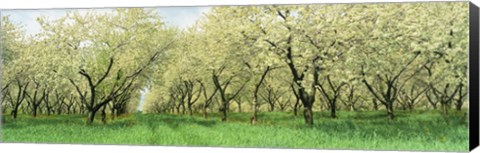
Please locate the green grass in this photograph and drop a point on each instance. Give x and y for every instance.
(425, 131)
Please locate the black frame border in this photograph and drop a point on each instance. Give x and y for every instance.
(473, 76)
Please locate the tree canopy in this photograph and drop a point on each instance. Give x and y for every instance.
(322, 57)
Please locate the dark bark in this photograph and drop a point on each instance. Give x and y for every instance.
(104, 114)
(461, 97)
(444, 97)
(408, 99)
(82, 96)
(431, 100)
(92, 87)
(388, 95)
(351, 99)
(60, 102)
(375, 104)
(308, 114)
(390, 114)
(36, 99)
(272, 97)
(183, 107)
(283, 105)
(239, 105)
(119, 104)
(286, 53)
(225, 98)
(91, 116)
(92, 105)
(208, 99)
(256, 103)
(3, 103)
(112, 110)
(295, 107)
(179, 94)
(70, 105)
(333, 110)
(121, 86)
(190, 92)
(332, 95)
(21, 94)
(297, 100)
(306, 98)
(436, 95)
(48, 106)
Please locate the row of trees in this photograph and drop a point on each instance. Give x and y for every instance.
(408, 56)
(82, 63)
(263, 58)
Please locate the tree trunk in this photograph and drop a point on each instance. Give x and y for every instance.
(190, 112)
(390, 111)
(224, 113)
(205, 114)
(255, 95)
(459, 105)
(183, 109)
(254, 117)
(445, 109)
(461, 95)
(35, 107)
(375, 105)
(59, 111)
(82, 109)
(228, 107)
(410, 107)
(282, 108)
(91, 117)
(308, 115)
(224, 97)
(112, 110)
(118, 113)
(49, 111)
(104, 114)
(49, 108)
(255, 109)
(15, 112)
(239, 107)
(333, 110)
(295, 107)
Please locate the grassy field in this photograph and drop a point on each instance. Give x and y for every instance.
(426, 131)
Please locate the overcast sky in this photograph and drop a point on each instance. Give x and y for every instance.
(176, 16)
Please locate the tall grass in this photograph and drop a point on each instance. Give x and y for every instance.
(423, 131)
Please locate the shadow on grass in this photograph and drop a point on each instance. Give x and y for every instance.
(345, 120)
(174, 121)
(23, 121)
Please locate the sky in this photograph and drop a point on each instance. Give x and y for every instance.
(175, 16)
